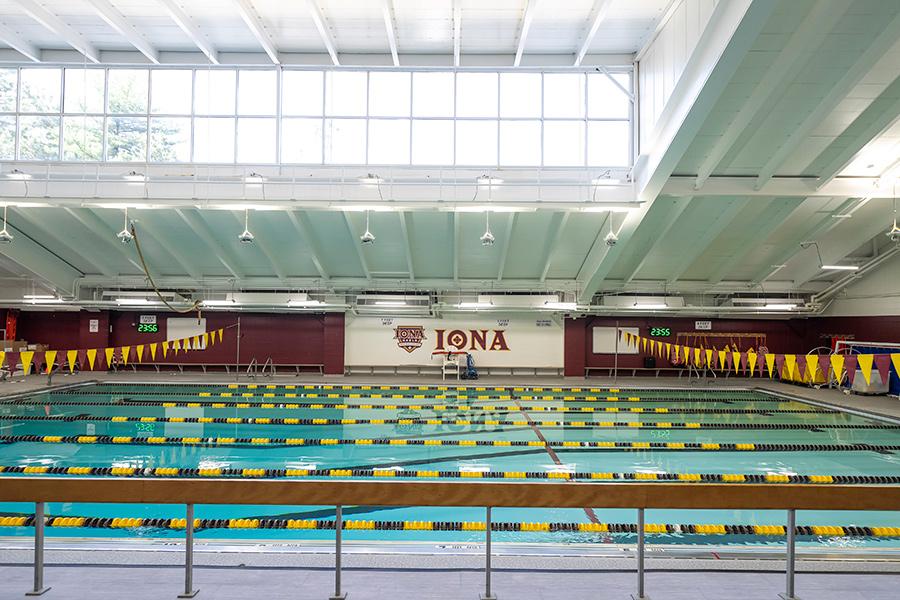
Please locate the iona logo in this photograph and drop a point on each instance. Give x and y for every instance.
(409, 337)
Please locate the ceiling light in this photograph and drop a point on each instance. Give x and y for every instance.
(296, 303)
(780, 306)
(125, 236)
(650, 306)
(219, 303)
(488, 180)
(367, 238)
(474, 305)
(390, 303)
(17, 174)
(135, 301)
(606, 181)
(370, 179)
(487, 238)
(560, 305)
(39, 296)
(894, 233)
(135, 177)
(601, 208)
(245, 237)
(840, 268)
(254, 177)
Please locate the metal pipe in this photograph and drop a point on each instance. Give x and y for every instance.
(38, 588)
(237, 359)
(189, 591)
(338, 527)
(791, 555)
(640, 556)
(488, 595)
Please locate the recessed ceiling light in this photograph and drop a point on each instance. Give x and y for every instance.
(840, 268)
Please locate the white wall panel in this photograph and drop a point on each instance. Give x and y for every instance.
(666, 57)
(529, 342)
(878, 294)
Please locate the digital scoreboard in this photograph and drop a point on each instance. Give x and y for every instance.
(660, 331)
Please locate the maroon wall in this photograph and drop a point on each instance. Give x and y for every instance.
(285, 338)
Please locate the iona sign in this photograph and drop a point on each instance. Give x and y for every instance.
(472, 339)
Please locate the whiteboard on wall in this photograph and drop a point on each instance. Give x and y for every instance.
(604, 340)
(180, 328)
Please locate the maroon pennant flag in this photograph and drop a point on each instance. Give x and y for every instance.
(12, 359)
(761, 363)
(744, 361)
(850, 367)
(825, 364)
(729, 360)
(883, 364)
(779, 365)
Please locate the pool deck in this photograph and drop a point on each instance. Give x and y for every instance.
(885, 406)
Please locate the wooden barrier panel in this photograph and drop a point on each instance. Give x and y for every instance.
(445, 493)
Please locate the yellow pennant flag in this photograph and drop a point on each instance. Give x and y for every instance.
(790, 361)
(895, 358)
(26, 358)
(736, 361)
(92, 357)
(770, 364)
(668, 350)
(837, 366)
(165, 348)
(2, 357)
(709, 359)
(50, 357)
(751, 361)
(644, 344)
(176, 345)
(687, 353)
(186, 344)
(195, 342)
(697, 360)
(71, 358)
(125, 352)
(812, 365)
(722, 354)
(206, 340)
(109, 356)
(153, 351)
(139, 350)
(865, 365)
(220, 335)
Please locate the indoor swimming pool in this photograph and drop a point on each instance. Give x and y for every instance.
(471, 433)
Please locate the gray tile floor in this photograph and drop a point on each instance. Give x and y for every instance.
(154, 583)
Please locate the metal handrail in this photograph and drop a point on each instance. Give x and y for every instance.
(252, 368)
(267, 365)
(337, 493)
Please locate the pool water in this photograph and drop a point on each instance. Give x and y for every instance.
(473, 432)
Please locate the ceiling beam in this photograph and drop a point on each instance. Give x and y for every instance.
(19, 44)
(732, 30)
(327, 38)
(887, 43)
(39, 261)
(782, 73)
(805, 187)
(59, 28)
(85, 252)
(170, 245)
(301, 221)
(599, 11)
(256, 26)
(107, 237)
(527, 18)
(407, 247)
(557, 226)
(387, 10)
(117, 21)
(879, 116)
(200, 227)
(355, 242)
(751, 237)
(185, 23)
(504, 250)
(457, 30)
(697, 246)
(262, 242)
(815, 229)
(679, 206)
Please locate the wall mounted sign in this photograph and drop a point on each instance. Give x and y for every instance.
(703, 325)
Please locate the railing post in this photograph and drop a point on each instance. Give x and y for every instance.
(38, 588)
(189, 591)
(338, 526)
(488, 594)
(640, 557)
(791, 532)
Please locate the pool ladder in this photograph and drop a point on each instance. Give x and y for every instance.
(267, 369)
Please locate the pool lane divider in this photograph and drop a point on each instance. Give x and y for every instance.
(417, 421)
(541, 443)
(443, 407)
(254, 473)
(364, 525)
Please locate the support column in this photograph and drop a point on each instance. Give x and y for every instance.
(640, 557)
(488, 593)
(38, 588)
(338, 527)
(791, 556)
